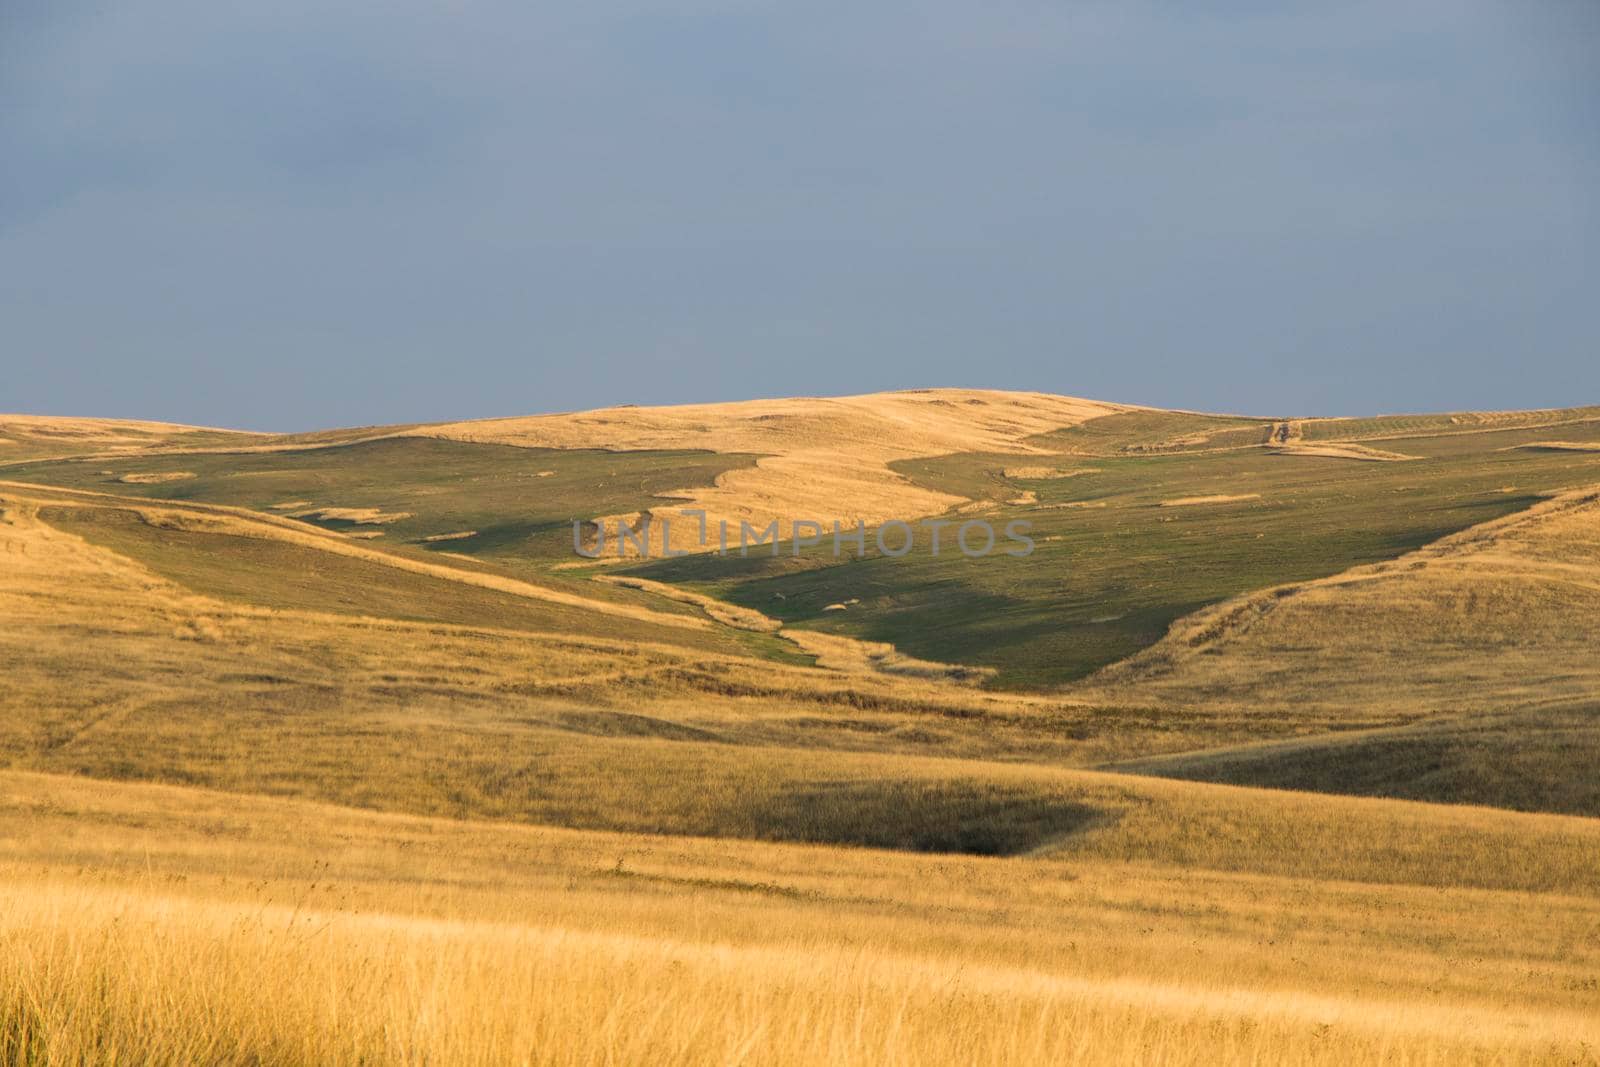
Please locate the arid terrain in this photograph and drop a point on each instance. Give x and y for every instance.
(329, 748)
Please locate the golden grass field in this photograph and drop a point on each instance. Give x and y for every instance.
(163, 925)
(824, 459)
(275, 794)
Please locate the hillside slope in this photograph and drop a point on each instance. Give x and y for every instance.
(822, 459)
(1528, 759)
(1504, 614)
(31, 437)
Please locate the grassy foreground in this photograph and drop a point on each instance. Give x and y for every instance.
(162, 925)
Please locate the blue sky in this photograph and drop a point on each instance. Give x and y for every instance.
(333, 213)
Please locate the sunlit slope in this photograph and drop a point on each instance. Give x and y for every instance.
(31, 437)
(1151, 431)
(820, 459)
(1399, 427)
(506, 506)
(823, 459)
(1505, 614)
(190, 926)
(270, 561)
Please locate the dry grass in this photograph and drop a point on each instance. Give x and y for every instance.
(103, 429)
(1046, 473)
(355, 516)
(1526, 760)
(727, 614)
(852, 656)
(1395, 427)
(925, 422)
(741, 861)
(721, 888)
(167, 926)
(823, 459)
(23, 501)
(1561, 446)
(1497, 616)
(112, 671)
(160, 478)
(1343, 451)
(1502, 614)
(293, 680)
(31, 437)
(1215, 498)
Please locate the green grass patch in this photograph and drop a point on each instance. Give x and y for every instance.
(519, 501)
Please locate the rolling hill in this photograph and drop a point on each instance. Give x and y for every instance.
(349, 705)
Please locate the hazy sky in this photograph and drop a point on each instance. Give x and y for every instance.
(330, 212)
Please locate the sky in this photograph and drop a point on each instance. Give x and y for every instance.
(317, 213)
